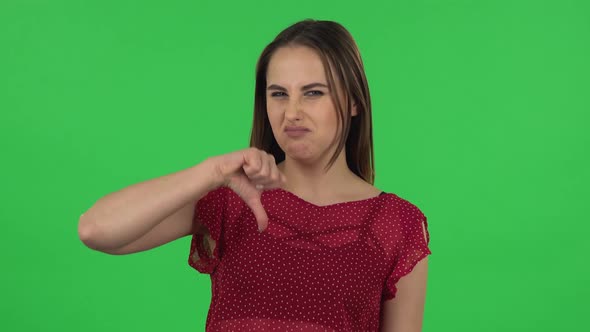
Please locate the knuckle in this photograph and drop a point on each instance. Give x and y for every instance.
(251, 152)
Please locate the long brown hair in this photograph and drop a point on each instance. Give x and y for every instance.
(343, 64)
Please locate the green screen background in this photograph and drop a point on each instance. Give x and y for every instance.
(480, 119)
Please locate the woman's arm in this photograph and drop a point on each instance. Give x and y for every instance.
(147, 214)
(405, 312)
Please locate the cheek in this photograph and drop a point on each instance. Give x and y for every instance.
(273, 118)
(330, 122)
(273, 110)
(327, 114)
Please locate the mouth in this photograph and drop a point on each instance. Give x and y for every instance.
(296, 131)
(296, 128)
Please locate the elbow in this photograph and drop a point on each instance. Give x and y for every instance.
(86, 232)
(89, 234)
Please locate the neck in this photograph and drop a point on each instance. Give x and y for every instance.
(313, 180)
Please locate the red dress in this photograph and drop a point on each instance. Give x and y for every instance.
(315, 268)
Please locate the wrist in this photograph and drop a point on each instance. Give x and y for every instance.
(215, 177)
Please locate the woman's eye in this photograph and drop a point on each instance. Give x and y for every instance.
(315, 93)
(312, 93)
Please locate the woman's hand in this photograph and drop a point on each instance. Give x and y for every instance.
(248, 172)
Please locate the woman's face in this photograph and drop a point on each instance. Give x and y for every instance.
(298, 95)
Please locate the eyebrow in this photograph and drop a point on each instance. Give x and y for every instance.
(305, 87)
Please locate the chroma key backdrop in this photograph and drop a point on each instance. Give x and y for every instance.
(480, 118)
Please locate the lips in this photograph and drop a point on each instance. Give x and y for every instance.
(295, 129)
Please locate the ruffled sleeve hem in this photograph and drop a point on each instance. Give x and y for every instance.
(415, 249)
(201, 258)
(210, 211)
(391, 290)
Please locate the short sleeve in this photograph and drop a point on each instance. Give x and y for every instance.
(210, 212)
(413, 249)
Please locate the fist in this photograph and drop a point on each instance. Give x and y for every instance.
(248, 172)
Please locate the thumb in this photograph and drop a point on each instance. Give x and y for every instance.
(256, 206)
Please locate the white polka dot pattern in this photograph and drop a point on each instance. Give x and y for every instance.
(315, 268)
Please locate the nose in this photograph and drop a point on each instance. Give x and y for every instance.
(293, 110)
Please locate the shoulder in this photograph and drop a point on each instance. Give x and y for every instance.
(398, 220)
(392, 204)
(399, 213)
(402, 206)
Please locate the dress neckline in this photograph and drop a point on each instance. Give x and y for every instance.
(354, 202)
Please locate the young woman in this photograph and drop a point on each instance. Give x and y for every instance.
(291, 230)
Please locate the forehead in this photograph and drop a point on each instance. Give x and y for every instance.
(295, 66)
